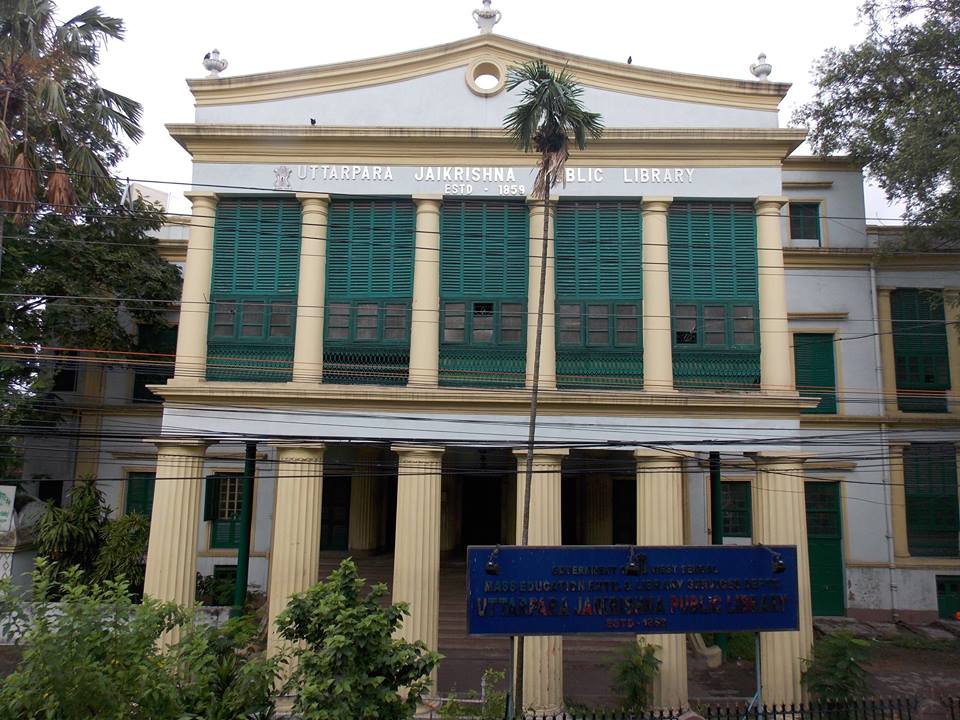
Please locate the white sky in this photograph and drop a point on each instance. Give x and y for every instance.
(166, 41)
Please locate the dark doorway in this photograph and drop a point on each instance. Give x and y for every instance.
(624, 510)
(335, 513)
(481, 509)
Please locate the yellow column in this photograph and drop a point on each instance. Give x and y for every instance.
(548, 345)
(416, 563)
(425, 315)
(172, 553)
(308, 342)
(596, 497)
(660, 522)
(776, 374)
(195, 298)
(542, 655)
(657, 333)
(295, 550)
(898, 501)
(779, 518)
(951, 309)
(364, 501)
(887, 363)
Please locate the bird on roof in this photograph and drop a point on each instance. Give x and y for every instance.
(313, 121)
(207, 56)
(630, 60)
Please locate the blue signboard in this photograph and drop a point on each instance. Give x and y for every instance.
(513, 590)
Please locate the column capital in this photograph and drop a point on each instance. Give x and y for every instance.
(654, 454)
(770, 203)
(427, 198)
(535, 202)
(549, 453)
(191, 446)
(309, 451)
(201, 196)
(313, 198)
(885, 290)
(659, 203)
(431, 452)
(776, 457)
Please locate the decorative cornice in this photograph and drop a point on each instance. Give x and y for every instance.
(618, 77)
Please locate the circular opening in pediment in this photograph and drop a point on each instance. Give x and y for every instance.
(486, 77)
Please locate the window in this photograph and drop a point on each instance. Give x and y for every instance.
(223, 504)
(814, 368)
(599, 325)
(367, 323)
(65, 373)
(161, 342)
(685, 324)
(714, 325)
(920, 350)
(140, 487)
(805, 221)
(224, 319)
(736, 508)
(931, 503)
(482, 323)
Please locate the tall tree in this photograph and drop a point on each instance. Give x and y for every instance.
(549, 113)
(66, 240)
(893, 103)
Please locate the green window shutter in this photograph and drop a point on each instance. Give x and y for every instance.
(735, 503)
(805, 221)
(483, 250)
(140, 492)
(370, 249)
(932, 506)
(211, 496)
(256, 245)
(598, 250)
(920, 349)
(815, 373)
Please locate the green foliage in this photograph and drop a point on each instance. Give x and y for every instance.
(490, 705)
(92, 654)
(220, 675)
(349, 664)
(71, 536)
(122, 551)
(893, 103)
(836, 671)
(89, 651)
(215, 591)
(634, 673)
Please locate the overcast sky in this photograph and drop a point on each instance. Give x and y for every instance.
(166, 41)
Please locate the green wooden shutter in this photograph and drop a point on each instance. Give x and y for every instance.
(932, 510)
(483, 250)
(815, 373)
(805, 221)
(825, 547)
(211, 497)
(736, 505)
(140, 492)
(920, 349)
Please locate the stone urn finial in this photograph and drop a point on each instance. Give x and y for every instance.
(486, 17)
(214, 63)
(761, 69)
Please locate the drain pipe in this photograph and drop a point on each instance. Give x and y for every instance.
(886, 477)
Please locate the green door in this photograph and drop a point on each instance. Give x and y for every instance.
(948, 596)
(825, 543)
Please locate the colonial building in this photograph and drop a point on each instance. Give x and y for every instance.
(360, 298)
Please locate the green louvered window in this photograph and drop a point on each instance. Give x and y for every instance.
(222, 505)
(483, 293)
(599, 280)
(714, 294)
(370, 253)
(815, 373)
(932, 505)
(805, 221)
(140, 493)
(736, 506)
(256, 260)
(920, 350)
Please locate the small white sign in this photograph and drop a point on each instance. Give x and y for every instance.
(7, 495)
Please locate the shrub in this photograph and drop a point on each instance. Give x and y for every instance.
(634, 674)
(348, 663)
(836, 669)
(72, 535)
(121, 554)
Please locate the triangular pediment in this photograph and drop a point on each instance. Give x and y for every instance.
(499, 51)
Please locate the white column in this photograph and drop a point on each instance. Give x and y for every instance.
(171, 573)
(548, 344)
(780, 518)
(776, 374)
(295, 550)
(542, 655)
(191, 362)
(308, 343)
(425, 314)
(660, 522)
(657, 332)
(416, 562)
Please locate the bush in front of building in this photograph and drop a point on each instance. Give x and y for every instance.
(90, 651)
(634, 673)
(348, 662)
(836, 669)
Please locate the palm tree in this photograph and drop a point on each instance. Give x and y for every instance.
(58, 128)
(549, 113)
